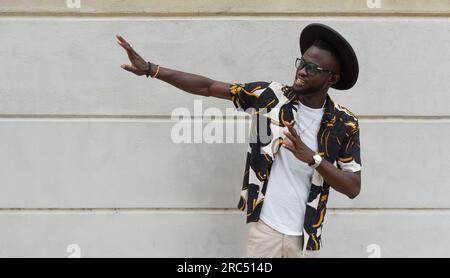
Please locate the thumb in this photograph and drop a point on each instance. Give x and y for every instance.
(128, 68)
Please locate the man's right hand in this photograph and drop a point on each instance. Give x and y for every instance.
(138, 65)
(188, 82)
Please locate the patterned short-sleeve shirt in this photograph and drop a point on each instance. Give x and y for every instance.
(271, 104)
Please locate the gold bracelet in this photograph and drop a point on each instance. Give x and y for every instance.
(157, 71)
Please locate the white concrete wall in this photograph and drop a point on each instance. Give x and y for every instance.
(87, 155)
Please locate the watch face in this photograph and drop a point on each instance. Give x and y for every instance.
(317, 159)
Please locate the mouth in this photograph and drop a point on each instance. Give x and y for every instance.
(298, 82)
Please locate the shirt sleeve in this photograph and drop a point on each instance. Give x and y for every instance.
(349, 158)
(245, 96)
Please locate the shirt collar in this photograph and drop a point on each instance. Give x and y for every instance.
(330, 109)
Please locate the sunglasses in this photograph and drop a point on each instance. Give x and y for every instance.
(311, 68)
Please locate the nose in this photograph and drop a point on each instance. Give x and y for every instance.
(302, 72)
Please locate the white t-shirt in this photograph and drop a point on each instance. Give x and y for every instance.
(290, 179)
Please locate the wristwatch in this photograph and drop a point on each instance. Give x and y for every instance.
(317, 160)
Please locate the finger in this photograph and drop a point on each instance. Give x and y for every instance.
(291, 129)
(294, 133)
(291, 137)
(121, 39)
(289, 124)
(288, 145)
(132, 54)
(126, 45)
(128, 68)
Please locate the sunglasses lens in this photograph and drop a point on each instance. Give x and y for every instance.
(311, 69)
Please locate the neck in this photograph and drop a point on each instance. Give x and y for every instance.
(313, 101)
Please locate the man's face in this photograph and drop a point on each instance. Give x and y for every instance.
(308, 84)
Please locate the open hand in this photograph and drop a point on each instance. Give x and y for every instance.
(138, 65)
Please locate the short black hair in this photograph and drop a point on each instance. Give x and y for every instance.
(325, 46)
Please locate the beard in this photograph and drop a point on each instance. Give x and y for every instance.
(307, 90)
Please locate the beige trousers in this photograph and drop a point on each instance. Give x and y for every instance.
(265, 242)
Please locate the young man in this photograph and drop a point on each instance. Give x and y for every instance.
(319, 139)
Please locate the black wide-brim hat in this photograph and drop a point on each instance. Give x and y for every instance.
(347, 56)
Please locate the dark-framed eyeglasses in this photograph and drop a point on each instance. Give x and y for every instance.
(311, 68)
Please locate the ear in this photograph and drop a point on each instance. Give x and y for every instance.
(334, 78)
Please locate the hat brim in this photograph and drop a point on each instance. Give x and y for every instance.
(347, 57)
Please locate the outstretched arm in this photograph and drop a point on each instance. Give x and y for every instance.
(188, 82)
